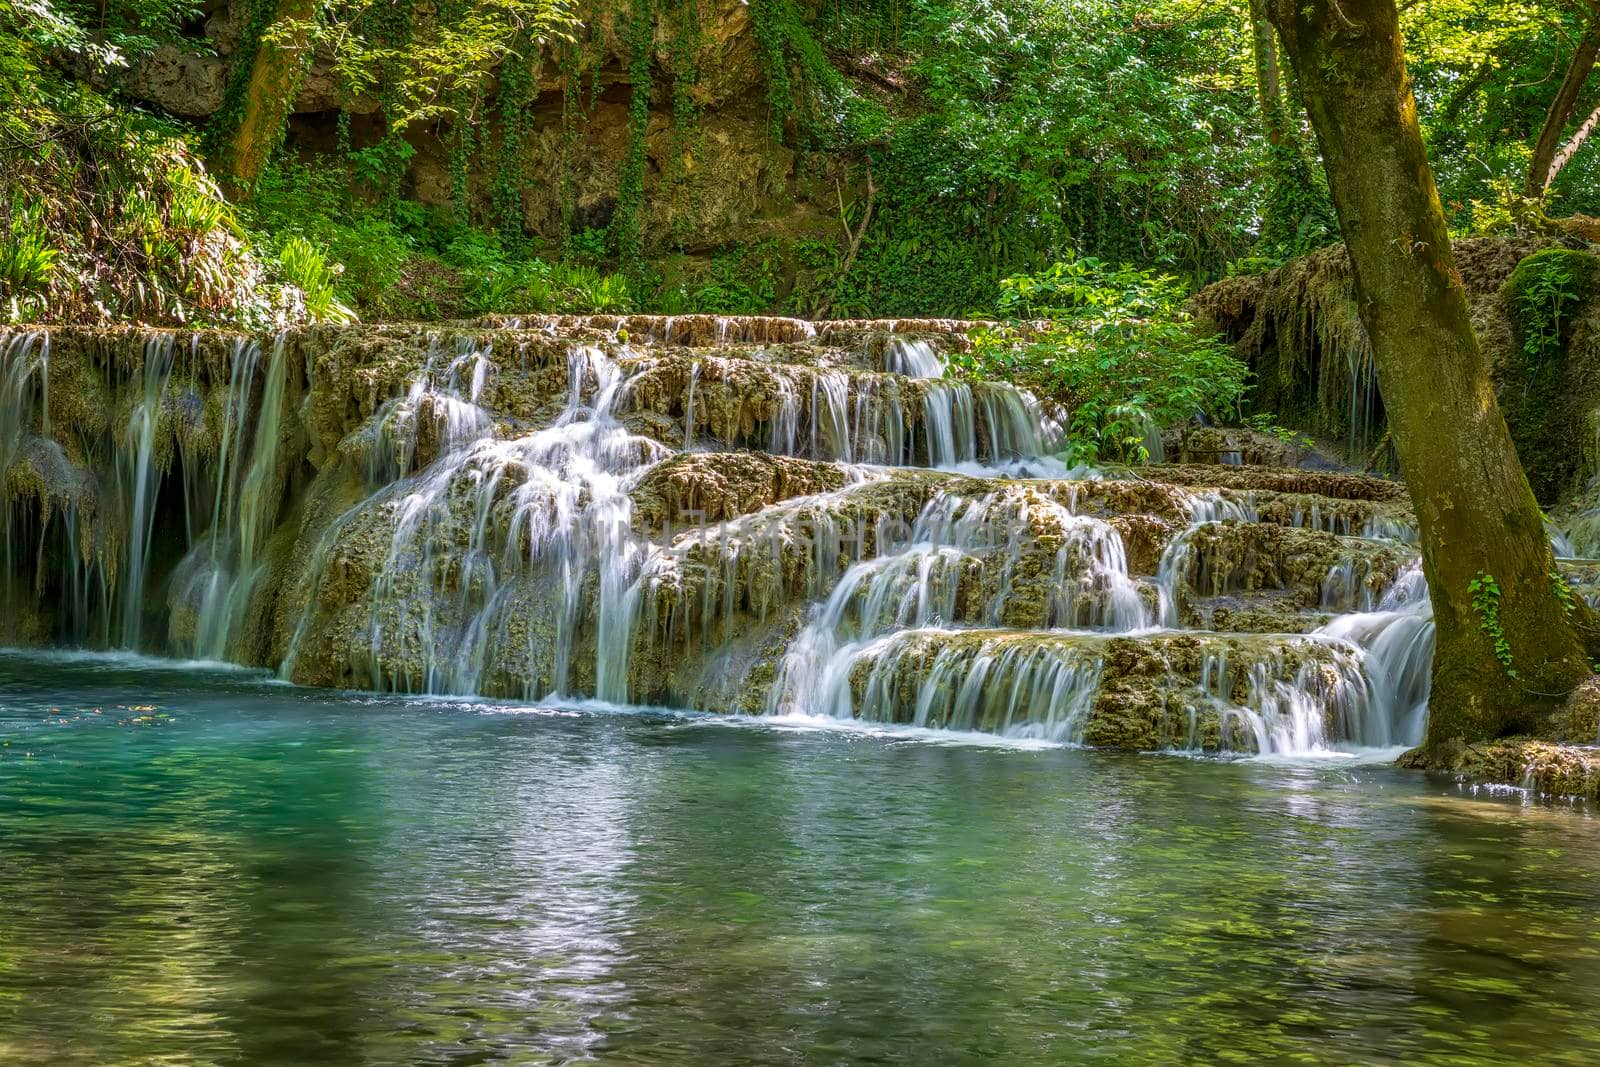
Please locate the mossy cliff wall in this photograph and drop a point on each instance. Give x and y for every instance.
(558, 145)
(1299, 329)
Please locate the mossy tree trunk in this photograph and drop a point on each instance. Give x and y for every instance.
(1542, 169)
(276, 71)
(1269, 82)
(1476, 512)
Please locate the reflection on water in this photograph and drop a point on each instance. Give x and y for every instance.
(201, 865)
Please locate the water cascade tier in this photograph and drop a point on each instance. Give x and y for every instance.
(738, 515)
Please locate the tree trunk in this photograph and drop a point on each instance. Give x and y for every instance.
(1570, 149)
(1540, 170)
(1477, 515)
(1269, 84)
(275, 72)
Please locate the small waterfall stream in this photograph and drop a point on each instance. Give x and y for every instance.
(749, 515)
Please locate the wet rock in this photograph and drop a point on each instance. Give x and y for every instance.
(716, 486)
(1541, 767)
(1233, 446)
(1322, 483)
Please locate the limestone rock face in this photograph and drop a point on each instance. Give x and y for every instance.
(699, 194)
(723, 177)
(734, 515)
(186, 83)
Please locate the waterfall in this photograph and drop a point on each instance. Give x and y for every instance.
(917, 583)
(140, 477)
(489, 509)
(24, 387)
(688, 413)
(1039, 691)
(246, 501)
(913, 357)
(1396, 642)
(486, 525)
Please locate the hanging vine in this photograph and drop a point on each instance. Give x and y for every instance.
(627, 222)
(683, 52)
(518, 88)
(572, 112)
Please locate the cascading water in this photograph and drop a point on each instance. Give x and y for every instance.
(246, 500)
(139, 477)
(501, 510)
(1396, 643)
(486, 525)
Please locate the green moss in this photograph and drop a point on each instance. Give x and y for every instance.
(1544, 380)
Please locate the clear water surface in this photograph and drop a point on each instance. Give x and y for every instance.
(200, 865)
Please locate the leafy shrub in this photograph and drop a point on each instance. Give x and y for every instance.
(498, 280)
(374, 251)
(1115, 346)
(27, 259)
(1545, 290)
(743, 281)
(306, 268)
(105, 211)
(585, 289)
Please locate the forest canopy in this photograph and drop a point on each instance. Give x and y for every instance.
(902, 157)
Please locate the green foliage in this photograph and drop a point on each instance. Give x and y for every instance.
(588, 245)
(1297, 214)
(1266, 422)
(316, 203)
(397, 259)
(27, 261)
(1564, 593)
(306, 268)
(1117, 128)
(1545, 289)
(496, 280)
(1484, 72)
(106, 211)
(627, 222)
(804, 88)
(993, 133)
(427, 69)
(1544, 296)
(1115, 346)
(223, 124)
(743, 281)
(1485, 592)
(1504, 211)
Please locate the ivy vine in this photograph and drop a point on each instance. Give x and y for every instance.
(627, 222)
(1485, 592)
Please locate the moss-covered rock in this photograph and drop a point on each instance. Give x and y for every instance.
(1546, 368)
(1542, 767)
(717, 486)
(1299, 329)
(1232, 445)
(1335, 484)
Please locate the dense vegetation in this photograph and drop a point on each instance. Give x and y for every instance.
(1086, 160)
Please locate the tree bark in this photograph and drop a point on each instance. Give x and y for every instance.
(1579, 137)
(1541, 171)
(1269, 83)
(1476, 513)
(276, 70)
